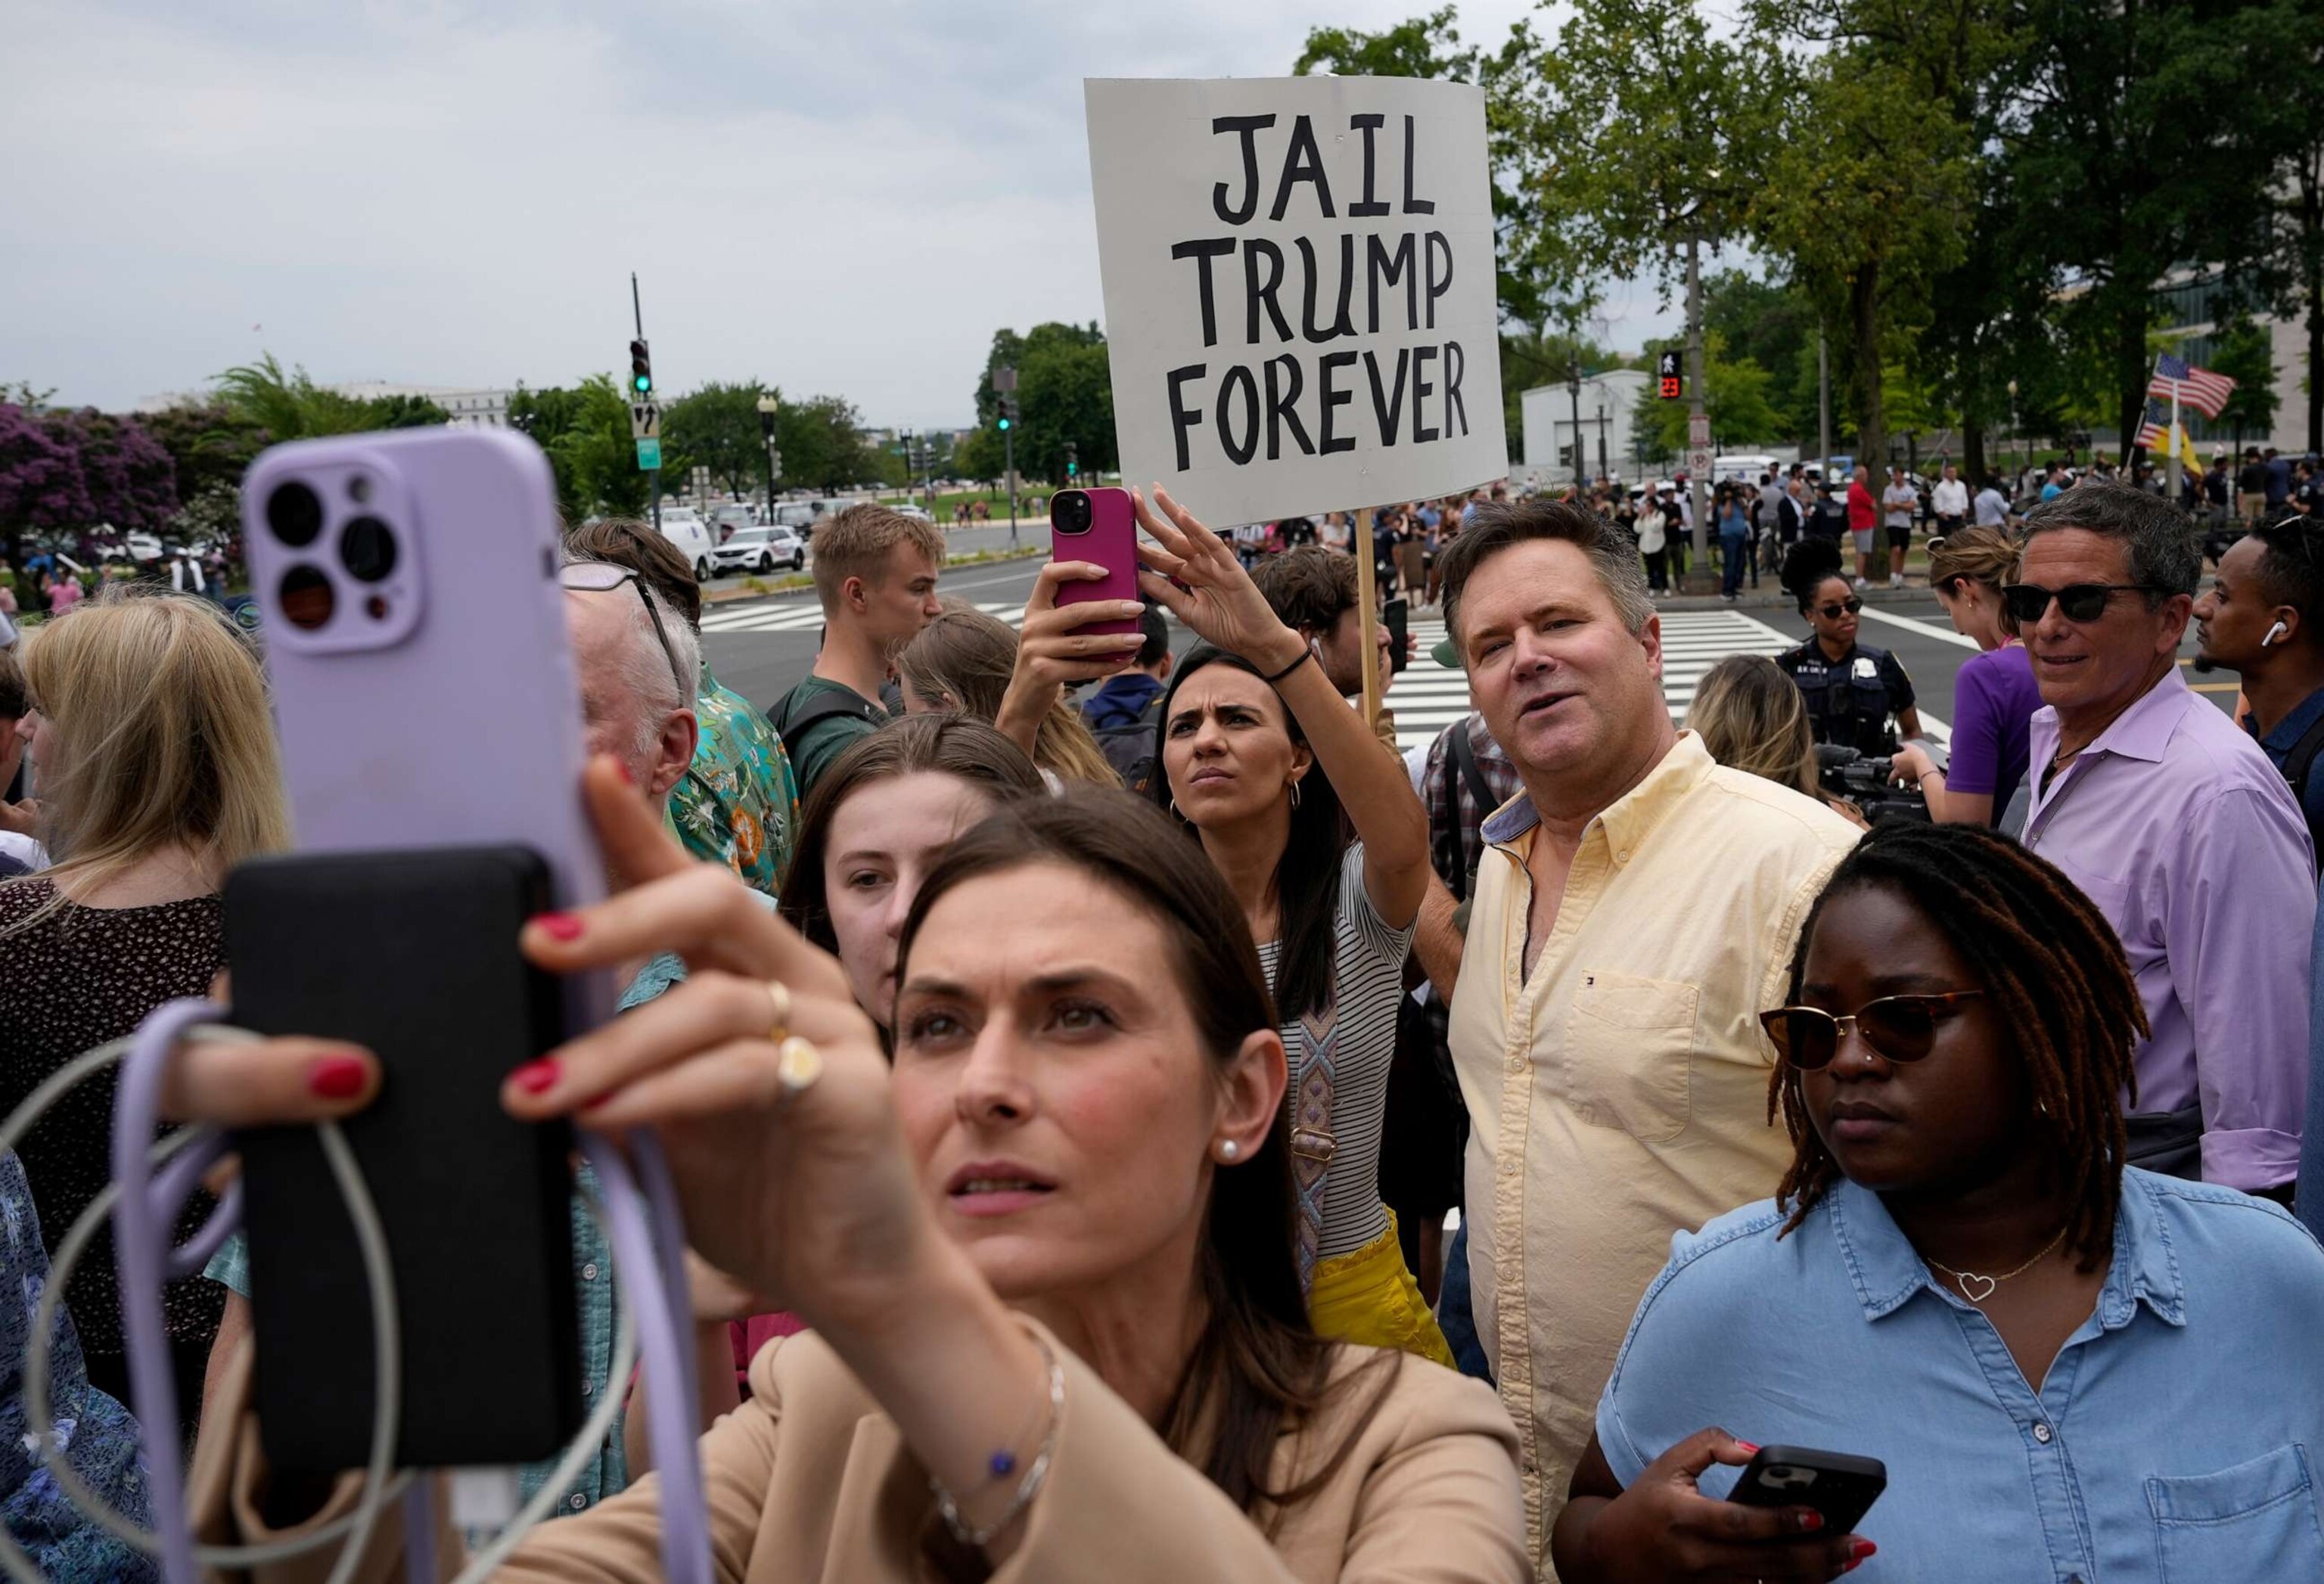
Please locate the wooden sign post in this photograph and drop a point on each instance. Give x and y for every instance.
(1367, 602)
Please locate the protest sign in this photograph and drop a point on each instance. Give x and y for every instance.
(1299, 296)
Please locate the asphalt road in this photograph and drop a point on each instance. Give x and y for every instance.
(761, 647)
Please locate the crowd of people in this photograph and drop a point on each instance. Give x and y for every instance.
(1165, 1016)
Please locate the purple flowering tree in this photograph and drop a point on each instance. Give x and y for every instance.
(65, 472)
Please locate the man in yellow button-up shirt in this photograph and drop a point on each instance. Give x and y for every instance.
(1637, 912)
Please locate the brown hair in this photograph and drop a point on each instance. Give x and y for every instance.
(856, 542)
(963, 659)
(1752, 719)
(1497, 526)
(2060, 988)
(165, 738)
(627, 542)
(1309, 588)
(945, 745)
(1982, 554)
(1257, 1363)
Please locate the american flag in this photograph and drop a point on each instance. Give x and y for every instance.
(2199, 389)
(2154, 434)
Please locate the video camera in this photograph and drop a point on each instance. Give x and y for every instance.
(1845, 772)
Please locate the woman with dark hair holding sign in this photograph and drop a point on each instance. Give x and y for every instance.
(1266, 764)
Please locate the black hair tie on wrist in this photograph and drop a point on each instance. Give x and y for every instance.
(1305, 655)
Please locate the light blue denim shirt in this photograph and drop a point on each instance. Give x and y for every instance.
(2177, 1438)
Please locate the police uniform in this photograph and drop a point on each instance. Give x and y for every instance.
(1851, 699)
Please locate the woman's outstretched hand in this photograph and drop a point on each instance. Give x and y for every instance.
(1193, 574)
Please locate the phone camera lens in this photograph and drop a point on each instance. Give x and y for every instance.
(306, 598)
(295, 513)
(368, 548)
(359, 488)
(1070, 512)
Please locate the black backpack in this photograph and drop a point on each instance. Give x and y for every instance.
(1130, 748)
(2296, 767)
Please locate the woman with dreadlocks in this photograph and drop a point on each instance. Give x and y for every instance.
(2071, 1369)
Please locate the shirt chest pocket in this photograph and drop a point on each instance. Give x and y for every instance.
(1629, 1054)
(2256, 1520)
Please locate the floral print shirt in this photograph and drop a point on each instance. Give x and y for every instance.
(738, 804)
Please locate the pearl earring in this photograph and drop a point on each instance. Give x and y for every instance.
(1230, 1151)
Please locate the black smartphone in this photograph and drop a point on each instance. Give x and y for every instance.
(1839, 1486)
(1397, 615)
(411, 953)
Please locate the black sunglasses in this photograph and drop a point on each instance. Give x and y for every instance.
(1851, 606)
(2028, 603)
(1900, 1028)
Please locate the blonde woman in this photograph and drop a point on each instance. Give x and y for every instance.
(1994, 695)
(963, 659)
(1750, 718)
(149, 735)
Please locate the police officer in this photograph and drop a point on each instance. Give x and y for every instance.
(1851, 690)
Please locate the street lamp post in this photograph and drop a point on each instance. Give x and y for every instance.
(2016, 434)
(1581, 458)
(767, 408)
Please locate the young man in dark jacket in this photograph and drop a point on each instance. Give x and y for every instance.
(1126, 697)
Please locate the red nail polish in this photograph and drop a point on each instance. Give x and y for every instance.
(336, 1077)
(1811, 1520)
(1860, 1551)
(559, 926)
(536, 1077)
(596, 1102)
(1747, 1447)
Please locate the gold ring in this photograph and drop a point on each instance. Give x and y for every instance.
(780, 994)
(797, 1065)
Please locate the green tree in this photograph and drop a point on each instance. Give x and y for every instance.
(2244, 351)
(404, 412)
(595, 458)
(2124, 131)
(1735, 395)
(1064, 393)
(290, 406)
(210, 444)
(823, 444)
(717, 427)
(1639, 129)
(1771, 322)
(1530, 359)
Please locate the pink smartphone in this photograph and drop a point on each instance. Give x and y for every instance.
(414, 630)
(1101, 526)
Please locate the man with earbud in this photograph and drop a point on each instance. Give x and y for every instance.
(2263, 619)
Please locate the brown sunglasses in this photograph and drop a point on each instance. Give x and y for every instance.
(1899, 1028)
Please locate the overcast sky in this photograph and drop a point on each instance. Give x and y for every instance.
(847, 197)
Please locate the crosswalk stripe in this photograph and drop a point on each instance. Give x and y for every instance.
(797, 615)
(1428, 697)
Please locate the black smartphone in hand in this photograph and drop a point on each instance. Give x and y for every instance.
(1841, 1488)
(1398, 616)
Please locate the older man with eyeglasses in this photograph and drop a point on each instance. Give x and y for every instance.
(2170, 818)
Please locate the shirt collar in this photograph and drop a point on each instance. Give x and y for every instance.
(1886, 1270)
(1630, 818)
(2293, 726)
(2143, 731)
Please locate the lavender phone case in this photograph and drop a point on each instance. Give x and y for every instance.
(437, 706)
(1111, 541)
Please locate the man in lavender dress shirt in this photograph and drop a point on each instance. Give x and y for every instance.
(2175, 822)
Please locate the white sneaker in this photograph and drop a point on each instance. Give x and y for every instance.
(1896, 580)
(1859, 586)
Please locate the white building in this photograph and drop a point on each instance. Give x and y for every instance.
(1608, 402)
(471, 407)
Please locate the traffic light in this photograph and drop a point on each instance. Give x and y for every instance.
(1668, 385)
(1007, 413)
(641, 369)
(1073, 460)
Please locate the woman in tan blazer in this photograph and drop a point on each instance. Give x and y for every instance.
(1075, 1177)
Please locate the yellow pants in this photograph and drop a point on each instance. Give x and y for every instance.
(1369, 1298)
